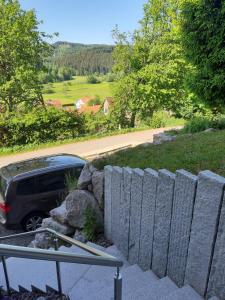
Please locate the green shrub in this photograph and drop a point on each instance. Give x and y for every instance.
(201, 124)
(91, 226)
(95, 101)
(156, 121)
(92, 79)
(99, 123)
(197, 124)
(40, 126)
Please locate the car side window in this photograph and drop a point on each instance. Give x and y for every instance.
(26, 187)
(50, 182)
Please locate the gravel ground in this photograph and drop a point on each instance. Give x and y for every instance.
(14, 241)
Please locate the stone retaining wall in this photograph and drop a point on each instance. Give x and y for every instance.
(171, 223)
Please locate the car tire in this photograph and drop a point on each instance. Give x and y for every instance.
(33, 221)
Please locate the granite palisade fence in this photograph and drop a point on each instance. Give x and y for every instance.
(171, 223)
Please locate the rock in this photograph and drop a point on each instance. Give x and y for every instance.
(61, 228)
(76, 204)
(160, 138)
(79, 236)
(59, 213)
(85, 177)
(43, 241)
(98, 186)
(210, 130)
(90, 188)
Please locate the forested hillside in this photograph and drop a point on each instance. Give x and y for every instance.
(82, 59)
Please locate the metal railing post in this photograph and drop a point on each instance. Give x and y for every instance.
(6, 275)
(58, 272)
(118, 285)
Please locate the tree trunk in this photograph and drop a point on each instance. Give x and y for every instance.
(10, 104)
(132, 119)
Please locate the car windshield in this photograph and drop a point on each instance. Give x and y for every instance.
(3, 185)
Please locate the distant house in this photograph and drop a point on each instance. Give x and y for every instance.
(55, 103)
(82, 102)
(90, 109)
(108, 102)
(82, 106)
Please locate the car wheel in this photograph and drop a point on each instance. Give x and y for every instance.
(33, 221)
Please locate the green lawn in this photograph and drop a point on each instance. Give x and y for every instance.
(70, 91)
(201, 151)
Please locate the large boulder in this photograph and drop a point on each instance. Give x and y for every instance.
(59, 213)
(85, 177)
(61, 228)
(77, 203)
(98, 186)
(42, 240)
(162, 137)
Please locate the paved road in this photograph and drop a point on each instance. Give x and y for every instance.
(90, 148)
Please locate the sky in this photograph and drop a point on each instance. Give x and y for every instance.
(86, 21)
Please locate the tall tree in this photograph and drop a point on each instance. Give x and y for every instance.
(22, 51)
(151, 64)
(203, 30)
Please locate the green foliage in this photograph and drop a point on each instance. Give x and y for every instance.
(55, 74)
(38, 126)
(71, 181)
(203, 35)
(156, 121)
(92, 79)
(110, 77)
(151, 65)
(22, 52)
(95, 101)
(91, 226)
(99, 123)
(82, 59)
(200, 124)
(197, 125)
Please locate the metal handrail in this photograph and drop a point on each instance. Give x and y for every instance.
(99, 257)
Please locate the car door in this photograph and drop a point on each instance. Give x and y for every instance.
(50, 189)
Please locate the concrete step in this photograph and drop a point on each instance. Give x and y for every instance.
(184, 293)
(157, 290)
(130, 284)
(96, 246)
(113, 250)
(98, 280)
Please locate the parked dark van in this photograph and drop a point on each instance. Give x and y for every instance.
(30, 189)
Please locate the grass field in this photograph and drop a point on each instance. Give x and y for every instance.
(200, 151)
(70, 91)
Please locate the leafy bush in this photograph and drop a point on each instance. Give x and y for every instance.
(99, 123)
(156, 121)
(95, 101)
(40, 126)
(92, 79)
(197, 124)
(110, 77)
(91, 226)
(200, 124)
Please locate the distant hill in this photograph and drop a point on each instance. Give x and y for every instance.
(83, 59)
